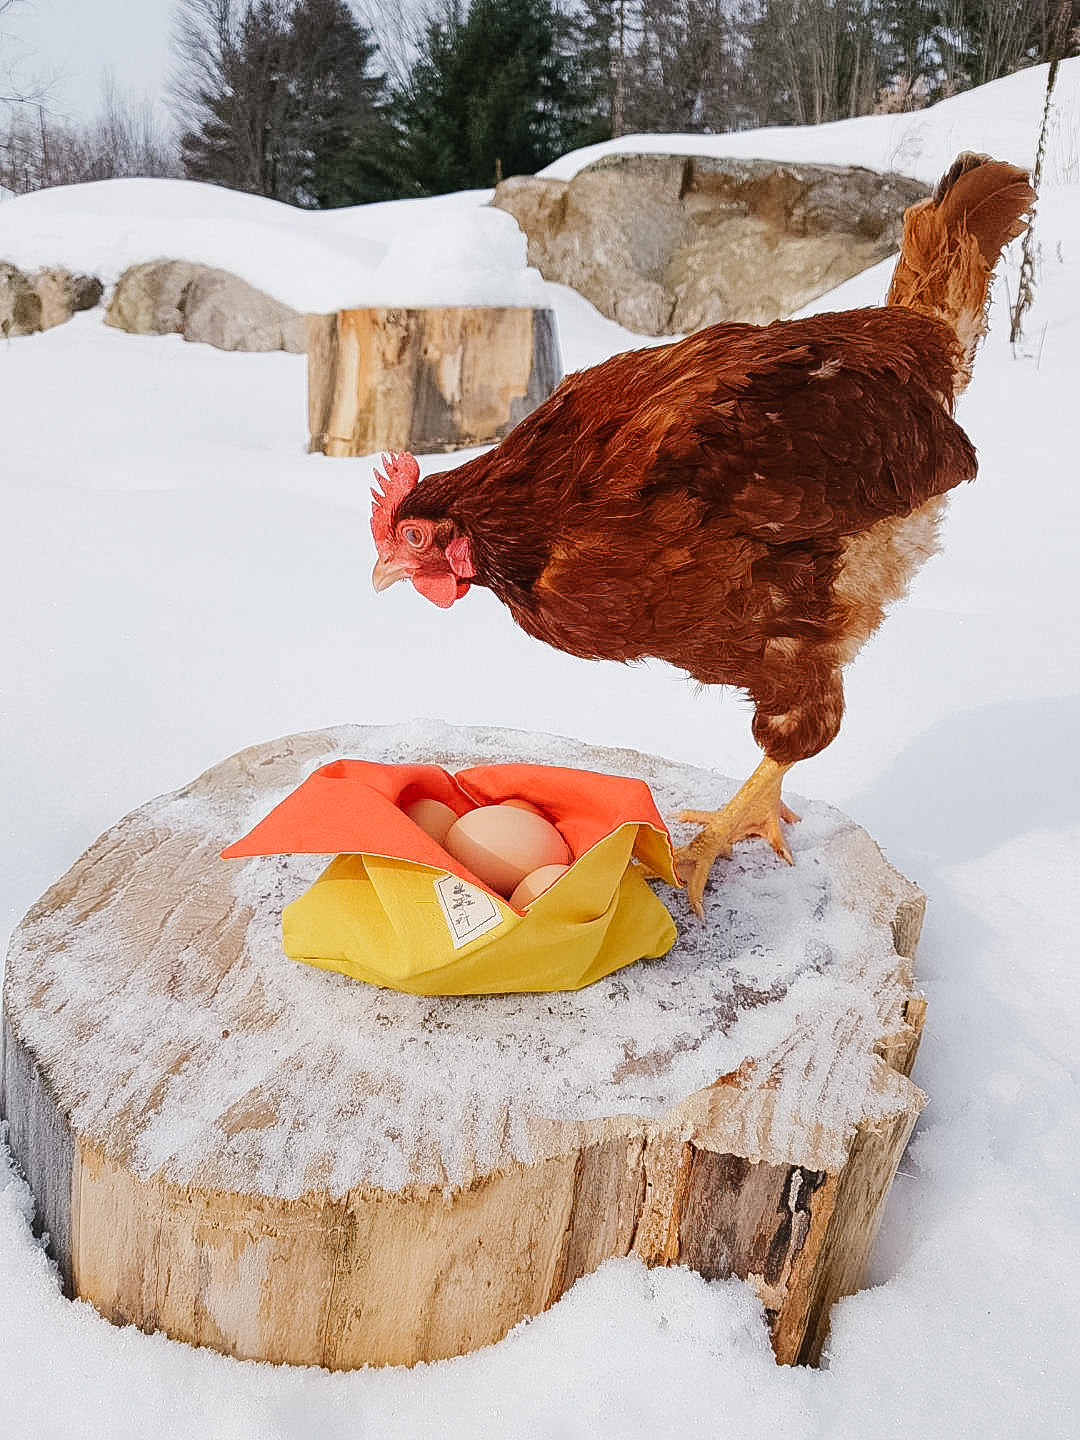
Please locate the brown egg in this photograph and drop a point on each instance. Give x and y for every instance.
(501, 844)
(520, 804)
(535, 883)
(433, 817)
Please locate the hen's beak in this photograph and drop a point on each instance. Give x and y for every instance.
(386, 573)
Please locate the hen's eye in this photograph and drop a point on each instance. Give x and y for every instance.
(412, 536)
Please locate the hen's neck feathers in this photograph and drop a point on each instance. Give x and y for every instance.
(495, 502)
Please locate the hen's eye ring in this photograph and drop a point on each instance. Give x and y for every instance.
(413, 536)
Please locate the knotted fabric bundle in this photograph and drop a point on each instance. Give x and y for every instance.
(396, 909)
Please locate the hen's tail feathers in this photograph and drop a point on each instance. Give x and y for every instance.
(952, 242)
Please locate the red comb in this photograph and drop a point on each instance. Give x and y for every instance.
(402, 474)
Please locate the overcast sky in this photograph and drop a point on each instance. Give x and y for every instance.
(72, 45)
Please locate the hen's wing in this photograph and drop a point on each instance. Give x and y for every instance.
(794, 430)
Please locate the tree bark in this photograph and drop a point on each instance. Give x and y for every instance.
(426, 380)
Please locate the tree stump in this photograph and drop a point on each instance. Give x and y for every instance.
(426, 380)
(284, 1164)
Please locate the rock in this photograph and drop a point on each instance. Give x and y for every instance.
(86, 292)
(63, 294)
(20, 306)
(214, 307)
(149, 298)
(29, 303)
(665, 244)
(222, 310)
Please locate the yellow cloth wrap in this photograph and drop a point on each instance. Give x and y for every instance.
(379, 919)
(395, 909)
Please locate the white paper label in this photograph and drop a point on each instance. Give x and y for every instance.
(468, 911)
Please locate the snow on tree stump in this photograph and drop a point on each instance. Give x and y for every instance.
(284, 1164)
(426, 380)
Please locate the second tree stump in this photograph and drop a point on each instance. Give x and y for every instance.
(426, 380)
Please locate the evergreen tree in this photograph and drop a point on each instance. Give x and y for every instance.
(602, 43)
(496, 91)
(279, 101)
(339, 104)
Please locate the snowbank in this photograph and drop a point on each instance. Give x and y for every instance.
(1000, 119)
(455, 250)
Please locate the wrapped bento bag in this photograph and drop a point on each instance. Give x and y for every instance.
(396, 909)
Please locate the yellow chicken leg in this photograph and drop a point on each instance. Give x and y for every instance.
(755, 809)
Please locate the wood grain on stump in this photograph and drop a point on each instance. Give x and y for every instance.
(426, 380)
(284, 1164)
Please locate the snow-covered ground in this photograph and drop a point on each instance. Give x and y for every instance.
(180, 579)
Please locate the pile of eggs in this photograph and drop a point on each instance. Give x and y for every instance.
(510, 847)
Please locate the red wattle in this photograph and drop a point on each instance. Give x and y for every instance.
(441, 590)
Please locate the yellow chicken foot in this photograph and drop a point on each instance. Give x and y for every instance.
(755, 809)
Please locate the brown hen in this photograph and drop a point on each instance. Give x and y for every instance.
(743, 503)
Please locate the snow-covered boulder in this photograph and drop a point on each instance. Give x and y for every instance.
(202, 303)
(664, 244)
(29, 303)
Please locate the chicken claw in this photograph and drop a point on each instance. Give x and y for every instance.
(754, 810)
